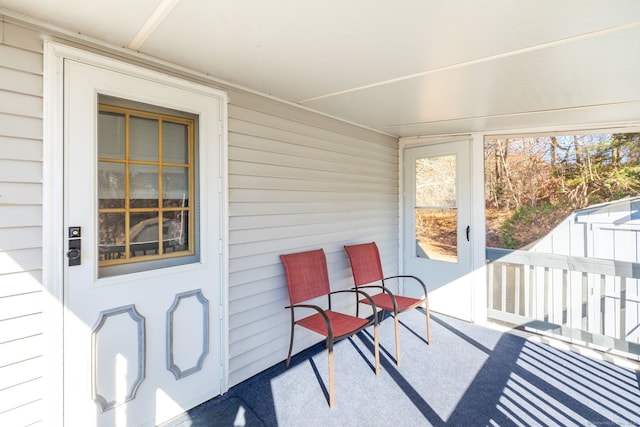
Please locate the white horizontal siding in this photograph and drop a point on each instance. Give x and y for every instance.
(278, 208)
(21, 305)
(22, 37)
(19, 126)
(20, 215)
(19, 350)
(20, 283)
(20, 327)
(20, 149)
(20, 373)
(17, 261)
(15, 58)
(267, 127)
(20, 193)
(21, 82)
(11, 398)
(21, 296)
(297, 181)
(20, 104)
(20, 238)
(20, 171)
(29, 414)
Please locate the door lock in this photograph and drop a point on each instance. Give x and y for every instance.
(74, 232)
(74, 253)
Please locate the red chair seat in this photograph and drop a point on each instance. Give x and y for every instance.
(384, 302)
(341, 324)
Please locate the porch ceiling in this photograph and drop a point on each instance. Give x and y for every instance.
(404, 67)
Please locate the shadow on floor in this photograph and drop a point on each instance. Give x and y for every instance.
(469, 376)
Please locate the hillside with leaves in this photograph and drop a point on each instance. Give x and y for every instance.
(533, 183)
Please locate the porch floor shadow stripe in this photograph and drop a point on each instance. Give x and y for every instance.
(470, 375)
(225, 411)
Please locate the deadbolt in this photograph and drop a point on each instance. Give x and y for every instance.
(74, 232)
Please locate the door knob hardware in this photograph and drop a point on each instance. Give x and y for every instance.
(74, 253)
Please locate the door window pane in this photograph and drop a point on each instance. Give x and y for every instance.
(111, 236)
(111, 135)
(175, 147)
(111, 188)
(143, 142)
(436, 213)
(144, 234)
(175, 187)
(175, 230)
(143, 186)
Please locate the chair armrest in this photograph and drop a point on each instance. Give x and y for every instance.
(366, 295)
(316, 308)
(424, 287)
(384, 290)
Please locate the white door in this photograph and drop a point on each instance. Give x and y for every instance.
(437, 224)
(143, 275)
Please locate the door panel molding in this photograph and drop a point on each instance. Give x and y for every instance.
(105, 403)
(173, 332)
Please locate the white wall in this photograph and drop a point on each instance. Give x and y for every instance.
(297, 180)
(21, 296)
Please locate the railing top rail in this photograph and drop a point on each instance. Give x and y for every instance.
(566, 262)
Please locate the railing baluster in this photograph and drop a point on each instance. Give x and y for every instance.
(584, 302)
(503, 295)
(564, 299)
(526, 281)
(516, 308)
(547, 294)
(601, 296)
(490, 283)
(623, 308)
(531, 292)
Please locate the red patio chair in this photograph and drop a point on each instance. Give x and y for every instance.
(367, 270)
(308, 278)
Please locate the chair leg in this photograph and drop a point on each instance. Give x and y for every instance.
(395, 325)
(426, 310)
(376, 347)
(332, 402)
(290, 346)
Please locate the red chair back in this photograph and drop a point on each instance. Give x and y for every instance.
(307, 275)
(365, 263)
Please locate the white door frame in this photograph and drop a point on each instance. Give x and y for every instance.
(53, 210)
(478, 276)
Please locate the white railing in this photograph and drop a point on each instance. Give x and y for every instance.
(594, 302)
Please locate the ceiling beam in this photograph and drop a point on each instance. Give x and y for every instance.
(156, 18)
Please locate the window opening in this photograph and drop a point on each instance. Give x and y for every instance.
(146, 187)
(436, 209)
(563, 226)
